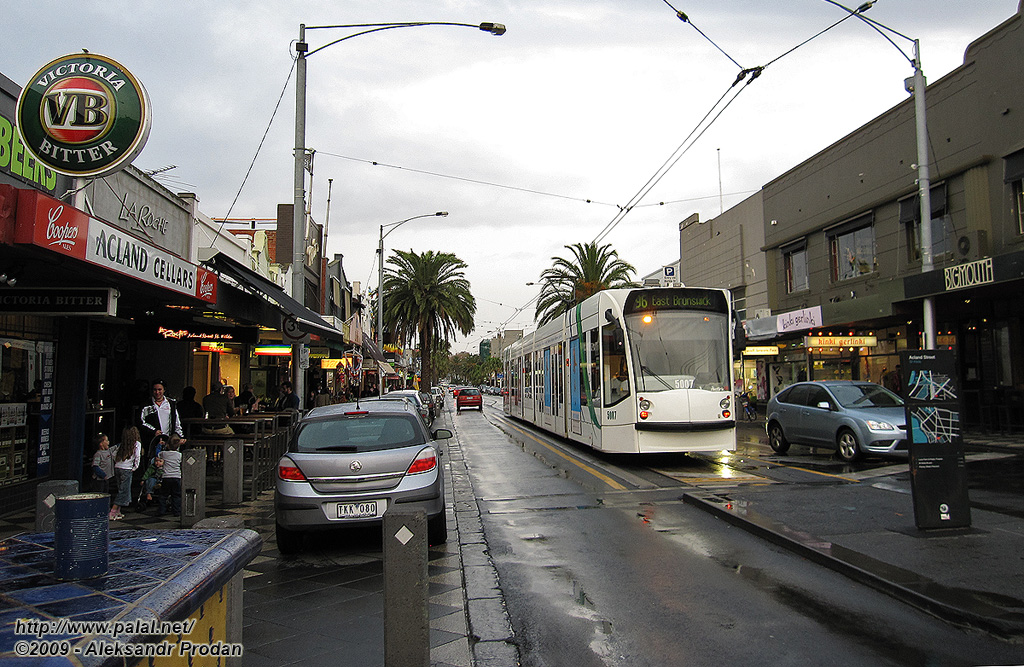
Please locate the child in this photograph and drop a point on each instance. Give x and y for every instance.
(170, 486)
(129, 452)
(102, 464)
(154, 472)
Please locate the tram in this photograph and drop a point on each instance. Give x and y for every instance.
(646, 370)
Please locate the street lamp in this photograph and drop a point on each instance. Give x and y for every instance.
(380, 282)
(299, 179)
(916, 86)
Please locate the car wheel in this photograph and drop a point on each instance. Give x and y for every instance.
(288, 541)
(777, 439)
(437, 529)
(847, 446)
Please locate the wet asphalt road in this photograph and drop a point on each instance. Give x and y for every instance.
(621, 572)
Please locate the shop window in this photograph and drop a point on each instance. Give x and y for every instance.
(796, 270)
(852, 249)
(942, 232)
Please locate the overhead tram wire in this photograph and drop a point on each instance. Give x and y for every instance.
(464, 179)
(688, 143)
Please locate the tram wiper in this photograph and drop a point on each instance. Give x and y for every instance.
(656, 376)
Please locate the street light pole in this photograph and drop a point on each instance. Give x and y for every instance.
(916, 86)
(380, 285)
(299, 178)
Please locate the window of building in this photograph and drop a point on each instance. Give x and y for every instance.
(910, 218)
(1013, 176)
(796, 269)
(739, 302)
(852, 249)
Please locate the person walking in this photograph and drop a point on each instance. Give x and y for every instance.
(161, 415)
(126, 462)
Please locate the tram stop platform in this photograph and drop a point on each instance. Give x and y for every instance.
(866, 530)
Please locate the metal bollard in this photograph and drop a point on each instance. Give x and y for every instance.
(193, 486)
(81, 536)
(406, 615)
(46, 498)
(233, 458)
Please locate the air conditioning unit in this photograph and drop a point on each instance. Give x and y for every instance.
(971, 245)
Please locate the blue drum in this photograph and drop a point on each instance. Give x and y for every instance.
(81, 536)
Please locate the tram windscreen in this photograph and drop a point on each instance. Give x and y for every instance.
(679, 348)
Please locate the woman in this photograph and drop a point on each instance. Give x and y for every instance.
(126, 461)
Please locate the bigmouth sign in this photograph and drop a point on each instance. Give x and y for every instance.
(84, 115)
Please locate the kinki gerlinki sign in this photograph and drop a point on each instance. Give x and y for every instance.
(84, 115)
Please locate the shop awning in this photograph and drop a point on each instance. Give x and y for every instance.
(306, 319)
(387, 368)
(371, 350)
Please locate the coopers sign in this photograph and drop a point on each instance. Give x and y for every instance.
(84, 115)
(50, 224)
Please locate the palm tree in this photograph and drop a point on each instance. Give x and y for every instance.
(567, 282)
(427, 296)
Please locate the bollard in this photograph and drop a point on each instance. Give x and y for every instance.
(406, 615)
(46, 497)
(233, 458)
(193, 486)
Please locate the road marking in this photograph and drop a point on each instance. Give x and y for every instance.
(815, 472)
(596, 473)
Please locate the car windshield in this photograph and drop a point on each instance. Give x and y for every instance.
(680, 350)
(364, 432)
(865, 396)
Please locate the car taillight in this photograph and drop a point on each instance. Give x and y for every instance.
(425, 461)
(287, 470)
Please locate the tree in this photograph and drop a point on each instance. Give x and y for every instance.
(592, 269)
(427, 296)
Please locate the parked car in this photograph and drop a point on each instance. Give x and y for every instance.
(853, 418)
(438, 395)
(424, 407)
(469, 397)
(346, 465)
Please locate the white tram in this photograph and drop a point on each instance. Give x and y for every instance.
(630, 370)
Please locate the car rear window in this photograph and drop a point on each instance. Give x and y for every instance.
(469, 392)
(357, 433)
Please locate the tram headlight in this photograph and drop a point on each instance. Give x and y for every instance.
(726, 402)
(645, 404)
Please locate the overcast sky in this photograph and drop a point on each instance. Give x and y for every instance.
(580, 100)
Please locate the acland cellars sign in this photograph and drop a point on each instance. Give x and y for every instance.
(46, 222)
(84, 115)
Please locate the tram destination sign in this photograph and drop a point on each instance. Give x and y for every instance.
(645, 300)
(59, 301)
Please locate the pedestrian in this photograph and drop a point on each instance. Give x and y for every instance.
(188, 406)
(102, 464)
(161, 415)
(126, 462)
(170, 485)
(289, 400)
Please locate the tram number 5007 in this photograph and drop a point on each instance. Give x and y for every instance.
(611, 414)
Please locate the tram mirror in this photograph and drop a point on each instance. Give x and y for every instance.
(609, 316)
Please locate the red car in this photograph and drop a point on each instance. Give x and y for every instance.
(469, 398)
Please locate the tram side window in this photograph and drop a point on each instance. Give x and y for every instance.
(595, 364)
(615, 371)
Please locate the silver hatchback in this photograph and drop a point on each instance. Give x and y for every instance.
(348, 463)
(851, 417)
